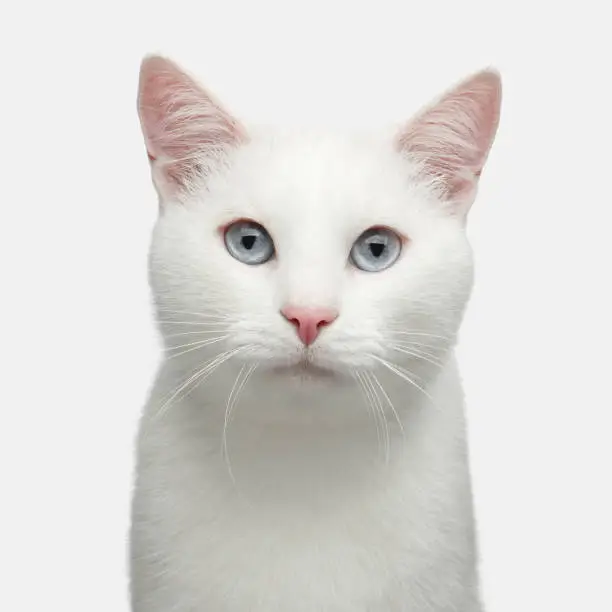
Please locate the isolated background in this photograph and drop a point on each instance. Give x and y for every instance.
(77, 342)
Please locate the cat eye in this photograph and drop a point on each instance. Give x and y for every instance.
(376, 249)
(249, 242)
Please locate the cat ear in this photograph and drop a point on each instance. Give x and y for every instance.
(184, 128)
(453, 136)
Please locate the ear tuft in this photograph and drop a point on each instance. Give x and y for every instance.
(182, 124)
(453, 136)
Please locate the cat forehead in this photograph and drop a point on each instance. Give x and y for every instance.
(312, 162)
(303, 177)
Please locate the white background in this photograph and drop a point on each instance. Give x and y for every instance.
(77, 342)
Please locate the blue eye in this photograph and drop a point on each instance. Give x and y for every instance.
(376, 249)
(249, 243)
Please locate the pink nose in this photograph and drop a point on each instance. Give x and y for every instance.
(309, 321)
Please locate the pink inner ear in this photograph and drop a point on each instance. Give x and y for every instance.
(452, 138)
(180, 121)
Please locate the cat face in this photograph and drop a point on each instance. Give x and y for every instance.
(308, 252)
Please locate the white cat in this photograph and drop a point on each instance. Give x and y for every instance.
(303, 448)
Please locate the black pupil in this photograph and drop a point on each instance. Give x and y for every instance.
(248, 242)
(376, 248)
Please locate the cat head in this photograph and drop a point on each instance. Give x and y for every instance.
(327, 253)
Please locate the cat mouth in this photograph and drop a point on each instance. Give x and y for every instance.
(304, 368)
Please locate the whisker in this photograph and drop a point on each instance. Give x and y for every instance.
(202, 373)
(200, 345)
(225, 421)
(405, 351)
(232, 400)
(402, 374)
(213, 367)
(381, 411)
(386, 396)
(250, 371)
(194, 333)
(367, 392)
(410, 342)
(368, 404)
(194, 323)
(404, 332)
(417, 348)
(203, 315)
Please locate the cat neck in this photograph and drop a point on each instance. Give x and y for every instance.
(307, 442)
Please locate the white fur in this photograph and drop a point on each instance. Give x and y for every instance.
(316, 493)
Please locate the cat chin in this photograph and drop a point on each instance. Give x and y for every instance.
(306, 371)
(303, 369)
